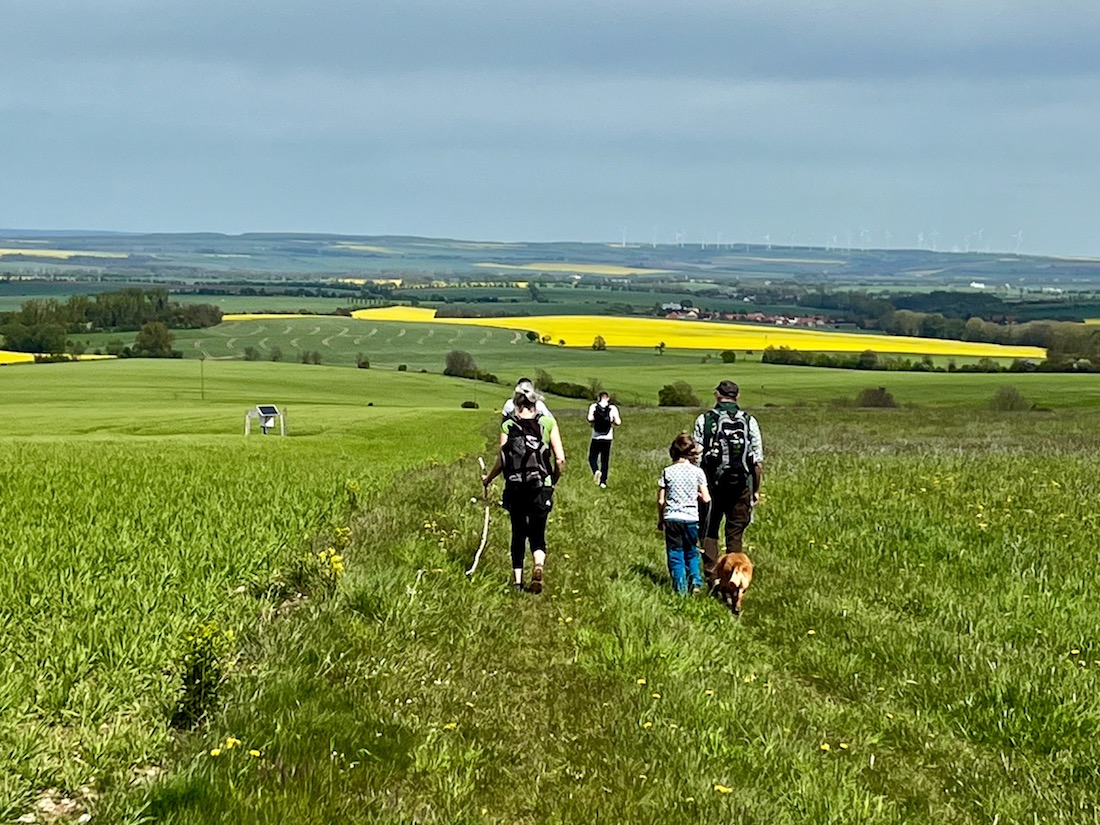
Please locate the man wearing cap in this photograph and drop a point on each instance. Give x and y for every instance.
(733, 461)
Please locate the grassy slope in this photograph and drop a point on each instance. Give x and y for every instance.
(635, 375)
(917, 647)
(981, 712)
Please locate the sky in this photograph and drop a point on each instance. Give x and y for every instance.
(885, 123)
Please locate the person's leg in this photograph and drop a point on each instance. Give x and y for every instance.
(536, 533)
(605, 459)
(674, 550)
(711, 527)
(593, 455)
(691, 557)
(518, 515)
(737, 519)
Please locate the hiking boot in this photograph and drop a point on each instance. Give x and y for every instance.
(536, 579)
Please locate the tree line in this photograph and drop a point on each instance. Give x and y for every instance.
(44, 325)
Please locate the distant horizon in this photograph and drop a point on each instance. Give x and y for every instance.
(11, 232)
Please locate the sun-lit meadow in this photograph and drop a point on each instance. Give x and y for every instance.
(918, 644)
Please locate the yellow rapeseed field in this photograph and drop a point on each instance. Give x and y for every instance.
(1092, 320)
(9, 357)
(363, 247)
(581, 330)
(60, 254)
(580, 269)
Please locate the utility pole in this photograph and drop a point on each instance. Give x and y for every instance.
(202, 377)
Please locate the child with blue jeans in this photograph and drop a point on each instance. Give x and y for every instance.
(680, 489)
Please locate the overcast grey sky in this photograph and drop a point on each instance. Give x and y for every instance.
(559, 119)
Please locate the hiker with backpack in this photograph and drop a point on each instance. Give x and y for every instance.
(732, 458)
(531, 459)
(604, 417)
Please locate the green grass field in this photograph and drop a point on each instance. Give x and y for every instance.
(918, 645)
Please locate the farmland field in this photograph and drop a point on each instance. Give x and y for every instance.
(918, 645)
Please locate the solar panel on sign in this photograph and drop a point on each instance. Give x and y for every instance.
(267, 409)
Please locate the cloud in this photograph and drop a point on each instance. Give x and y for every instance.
(427, 114)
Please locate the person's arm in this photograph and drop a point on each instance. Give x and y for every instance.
(591, 413)
(615, 420)
(498, 465)
(704, 491)
(698, 430)
(661, 506)
(756, 450)
(559, 452)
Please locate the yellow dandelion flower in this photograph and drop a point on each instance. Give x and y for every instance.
(708, 692)
(811, 632)
(232, 742)
(722, 789)
(647, 725)
(689, 799)
(1074, 652)
(825, 747)
(844, 745)
(450, 726)
(255, 753)
(215, 751)
(641, 681)
(654, 696)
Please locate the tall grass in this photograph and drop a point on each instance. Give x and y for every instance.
(918, 646)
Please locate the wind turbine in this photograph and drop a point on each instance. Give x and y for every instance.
(767, 241)
(934, 234)
(920, 240)
(624, 237)
(1019, 236)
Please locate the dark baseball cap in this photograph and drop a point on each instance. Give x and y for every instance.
(727, 389)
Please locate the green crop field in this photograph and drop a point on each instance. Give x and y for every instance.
(918, 645)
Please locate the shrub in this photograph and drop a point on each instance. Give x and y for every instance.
(460, 364)
(678, 394)
(875, 397)
(402, 367)
(251, 354)
(728, 356)
(277, 354)
(599, 344)
(362, 362)
(470, 405)
(1009, 399)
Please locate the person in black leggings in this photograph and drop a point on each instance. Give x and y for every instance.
(528, 487)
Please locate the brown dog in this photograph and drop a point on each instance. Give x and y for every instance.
(732, 577)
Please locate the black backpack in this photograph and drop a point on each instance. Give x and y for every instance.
(525, 455)
(726, 458)
(601, 419)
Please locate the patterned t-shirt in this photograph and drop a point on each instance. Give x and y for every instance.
(681, 482)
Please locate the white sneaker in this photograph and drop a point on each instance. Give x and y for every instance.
(596, 477)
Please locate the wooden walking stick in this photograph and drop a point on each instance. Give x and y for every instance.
(485, 529)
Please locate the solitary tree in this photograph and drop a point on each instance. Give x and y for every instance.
(598, 343)
(154, 341)
(461, 364)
